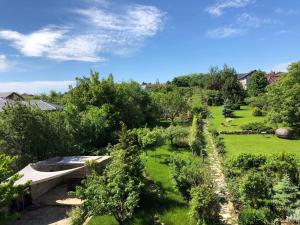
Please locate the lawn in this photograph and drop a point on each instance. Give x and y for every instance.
(170, 207)
(241, 117)
(263, 144)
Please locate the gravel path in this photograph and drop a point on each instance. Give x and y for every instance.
(227, 212)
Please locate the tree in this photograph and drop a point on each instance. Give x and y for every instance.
(283, 98)
(117, 191)
(204, 206)
(286, 196)
(253, 189)
(173, 133)
(257, 83)
(251, 216)
(227, 109)
(196, 140)
(188, 173)
(8, 192)
(231, 88)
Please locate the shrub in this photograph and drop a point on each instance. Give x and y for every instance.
(259, 127)
(227, 109)
(257, 112)
(251, 216)
(76, 216)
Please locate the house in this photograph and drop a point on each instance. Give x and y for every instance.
(244, 78)
(272, 77)
(43, 176)
(11, 98)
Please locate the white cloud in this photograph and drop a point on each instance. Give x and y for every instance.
(224, 32)
(287, 12)
(218, 8)
(282, 67)
(101, 30)
(35, 87)
(4, 64)
(250, 20)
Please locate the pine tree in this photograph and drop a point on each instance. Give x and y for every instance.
(286, 196)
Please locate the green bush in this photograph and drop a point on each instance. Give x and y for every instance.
(76, 216)
(256, 126)
(257, 112)
(251, 216)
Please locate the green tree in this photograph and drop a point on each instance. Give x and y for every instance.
(231, 88)
(286, 196)
(227, 109)
(253, 189)
(283, 98)
(174, 133)
(251, 216)
(8, 192)
(117, 191)
(257, 83)
(188, 173)
(204, 206)
(196, 139)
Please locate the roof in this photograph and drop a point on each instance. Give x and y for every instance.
(30, 172)
(245, 75)
(7, 94)
(273, 76)
(45, 105)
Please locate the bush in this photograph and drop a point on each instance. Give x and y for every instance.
(251, 216)
(259, 127)
(76, 216)
(227, 110)
(257, 112)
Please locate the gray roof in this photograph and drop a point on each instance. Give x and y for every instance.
(5, 94)
(45, 105)
(244, 75)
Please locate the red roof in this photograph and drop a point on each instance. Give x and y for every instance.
(273, 76)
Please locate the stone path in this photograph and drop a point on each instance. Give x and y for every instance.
(227, 212)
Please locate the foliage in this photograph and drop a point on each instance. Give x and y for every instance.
(286, 196)
(231, 88)
(146, 137)
(259, 101)
(214, 98)
(204, 206)
(76, 216)
(188, 173)
(9, 192)
(257, 112)
(294, 216)
(227, 109)
(283, 98)
(171, 103)
(252, 216)
(253, 189)
(257, 83)
(191, 80)
(196, 140)
(256, 126)
(117, 191)
(176, 134)
(31, 134)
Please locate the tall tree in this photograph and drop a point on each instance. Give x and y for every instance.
(257, 83)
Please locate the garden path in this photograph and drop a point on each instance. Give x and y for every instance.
(227, 212)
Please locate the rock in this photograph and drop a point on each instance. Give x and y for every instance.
(283, 133)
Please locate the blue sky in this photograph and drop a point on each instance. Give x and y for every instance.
(45, 44)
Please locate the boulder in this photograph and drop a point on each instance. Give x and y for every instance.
(283, 133)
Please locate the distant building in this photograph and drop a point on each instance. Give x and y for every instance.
(148, 86)
(272, 77)
(11, 98)
(244, 78)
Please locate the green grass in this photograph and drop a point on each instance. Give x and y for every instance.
(260, 144)
(242, 117)
(170, 207)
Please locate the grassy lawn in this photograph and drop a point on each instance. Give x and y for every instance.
(263, 144)
(170, 207)
(242, 117)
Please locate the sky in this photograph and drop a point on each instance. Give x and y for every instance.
(45, 45)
